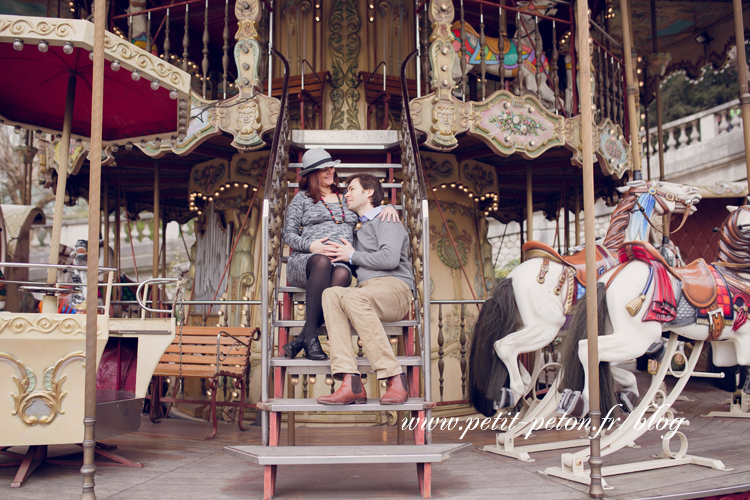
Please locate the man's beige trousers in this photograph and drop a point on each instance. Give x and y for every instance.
(364, 307)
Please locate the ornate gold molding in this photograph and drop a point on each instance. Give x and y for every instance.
(613, 153)
(36, 323)
(22, 26)
(39, 406)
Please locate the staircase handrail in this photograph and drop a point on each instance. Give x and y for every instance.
(416, 214)
(275, 198)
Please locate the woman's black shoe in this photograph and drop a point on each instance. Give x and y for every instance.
(313, 350)
(293, 348)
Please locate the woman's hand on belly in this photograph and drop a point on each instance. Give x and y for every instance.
(319, 246)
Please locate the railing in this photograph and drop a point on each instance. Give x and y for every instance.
(417, 217)
(609, 85)
(695, 129)
(275, 201)
(463, 341)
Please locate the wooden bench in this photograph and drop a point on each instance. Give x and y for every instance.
(312, 93)
(390, 96)
(210, 353)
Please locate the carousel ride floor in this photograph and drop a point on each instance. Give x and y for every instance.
(180, 464)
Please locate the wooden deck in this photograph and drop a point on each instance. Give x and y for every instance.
(180, 464)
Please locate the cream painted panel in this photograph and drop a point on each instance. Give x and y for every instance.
(42, 377)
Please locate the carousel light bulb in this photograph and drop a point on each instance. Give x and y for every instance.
(295, 379)
(312, 379)
(115, 65)
(115, 148)
(143, 143)
(43, 46)
(68, 48)
(91, 55)
(245, 186)
(173, 95)
(173, 140)
(18, 44)
(200, 213)
(129, 146)
(136, 75)
(79, 143)
(17, 129)
(329, 380)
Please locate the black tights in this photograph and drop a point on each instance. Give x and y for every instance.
(321, 274)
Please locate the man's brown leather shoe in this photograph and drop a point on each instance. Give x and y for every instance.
(351, 391)
(398, 390)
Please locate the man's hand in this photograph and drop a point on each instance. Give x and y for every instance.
(338, 252)
(389, 214)
(319, 246)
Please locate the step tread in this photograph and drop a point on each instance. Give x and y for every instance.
(310, 405)
(302, 365)
(298, 455)
(286, 323)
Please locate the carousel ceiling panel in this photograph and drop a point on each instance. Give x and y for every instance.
(694, 33)
(37, 57)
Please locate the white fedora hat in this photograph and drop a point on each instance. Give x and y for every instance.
(315, 159)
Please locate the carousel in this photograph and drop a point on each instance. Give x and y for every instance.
(471, 114)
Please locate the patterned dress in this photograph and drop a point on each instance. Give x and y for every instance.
(306, 222)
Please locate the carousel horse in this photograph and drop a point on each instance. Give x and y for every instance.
(75, 303)
(644, 297)
(519, 64)
(528, 308)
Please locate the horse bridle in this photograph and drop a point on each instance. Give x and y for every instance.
(658, 194)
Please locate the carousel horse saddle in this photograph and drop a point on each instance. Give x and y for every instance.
(577, 261)
(698, 284)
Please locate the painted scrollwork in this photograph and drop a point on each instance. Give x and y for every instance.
(344, 44)
(247, 48)
(16, 26)
(39, 406)
(126, 52)
(43, 324)
(442, 53)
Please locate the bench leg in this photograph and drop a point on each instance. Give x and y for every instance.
(240, 385)
(269, 481)
(154, 415)
(424, 476)
(34, 457)
(214, 385)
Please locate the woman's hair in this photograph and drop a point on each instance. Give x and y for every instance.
(310, 184)
(368, 181)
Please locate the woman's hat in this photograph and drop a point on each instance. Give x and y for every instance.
(315, 159)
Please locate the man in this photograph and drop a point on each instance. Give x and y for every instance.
(383, 293)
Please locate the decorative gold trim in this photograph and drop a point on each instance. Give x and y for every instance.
(20, 325)
(51, 396)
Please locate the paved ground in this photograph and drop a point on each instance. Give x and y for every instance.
(180, 464)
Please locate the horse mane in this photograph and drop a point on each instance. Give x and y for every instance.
(734, 244)
(619, 222)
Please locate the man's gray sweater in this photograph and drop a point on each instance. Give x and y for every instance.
(382, 249)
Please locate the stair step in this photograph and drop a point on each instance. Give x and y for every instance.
(385, 454)
(352, 140)
(303, 365)
(356, 166)
(286, 323)
(373, 404)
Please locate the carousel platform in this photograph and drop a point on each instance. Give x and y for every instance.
(180, 464)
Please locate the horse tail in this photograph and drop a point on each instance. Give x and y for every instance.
(487, 373)
(573, 371)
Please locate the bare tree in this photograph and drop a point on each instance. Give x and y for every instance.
(12, 170)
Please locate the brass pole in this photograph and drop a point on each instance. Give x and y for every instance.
(659, 119)
(632, 88)
(105, 246)
(49, 302)
(529, 205)
(595, 461)
(155, 234)
(88, 470)
(742, 74)
(578, 217)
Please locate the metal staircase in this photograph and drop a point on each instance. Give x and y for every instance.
(404, 186)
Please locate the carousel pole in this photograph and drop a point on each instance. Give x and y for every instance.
(659, 118)
(529, 205)
(49, 302)
(584, 80)
(742, 74)
(155, 233)
(88, 470)
(631, 90)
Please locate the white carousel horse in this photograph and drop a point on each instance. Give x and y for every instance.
(528, 308)
(643, 298)
(519, 64)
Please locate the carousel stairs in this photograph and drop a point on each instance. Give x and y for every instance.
(284, 398)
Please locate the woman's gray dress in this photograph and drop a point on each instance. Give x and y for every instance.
(306, 222)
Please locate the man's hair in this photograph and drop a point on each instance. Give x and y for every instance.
(368, 181)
